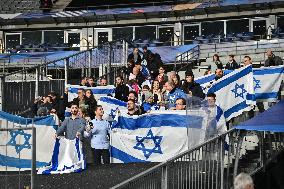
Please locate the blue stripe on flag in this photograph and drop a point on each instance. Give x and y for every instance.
(264, 71)
(149, 121)
(205, 79)
(18, 163)
(230, 79)
(124, 157)
(95, 91)
(46, 121)
(235, 108)
(266, 95)
(250, 97)
(113, 101)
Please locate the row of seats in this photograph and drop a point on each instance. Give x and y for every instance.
(40, 48)
(14, 6)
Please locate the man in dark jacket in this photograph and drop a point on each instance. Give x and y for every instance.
(121, 90)
(135, 56)
(154, 62)
(146, 53)
(272, 60)
(190, 87)
(232, 64)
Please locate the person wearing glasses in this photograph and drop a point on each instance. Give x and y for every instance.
(180, 104)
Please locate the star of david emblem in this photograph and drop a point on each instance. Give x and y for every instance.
(256, 84)
(13, 142)
(112, 112)
(239, 90)
(148, 151)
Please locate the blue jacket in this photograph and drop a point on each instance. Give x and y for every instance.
(173, 95)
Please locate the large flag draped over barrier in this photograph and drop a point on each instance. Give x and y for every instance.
(235, 92)
(15, 145)
(97, 91)
(157, 136)
(67, 157)
(267, 82)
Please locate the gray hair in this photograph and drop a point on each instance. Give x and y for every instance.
(242, 181)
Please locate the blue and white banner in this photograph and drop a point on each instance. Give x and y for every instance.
(97, 91)
(204, 81)
(157, 136)
(16, 145)
(267, 82)
(110, 106)
(67, 157)
(235, 92)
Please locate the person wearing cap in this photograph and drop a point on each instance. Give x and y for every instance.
(232, 64)
(190, 87)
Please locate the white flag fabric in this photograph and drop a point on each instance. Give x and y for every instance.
(267, 82)
(67, 157)
(110, 106)
(97, 91)
(157, 136)
(17, 155)
(235, 92)
(204, 81)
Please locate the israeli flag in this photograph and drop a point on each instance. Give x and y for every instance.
(111, 105)
(97, 91)
(235, 92)
(155, 137)
(16, 145)
(267, 82)
(204, 81)
(67, 157)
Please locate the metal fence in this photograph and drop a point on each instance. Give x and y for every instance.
(16, 178)
(213, 164)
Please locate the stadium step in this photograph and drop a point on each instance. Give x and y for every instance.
(60, 5)
(94, 177)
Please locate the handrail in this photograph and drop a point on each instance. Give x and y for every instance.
(180, 167)
(190, 56)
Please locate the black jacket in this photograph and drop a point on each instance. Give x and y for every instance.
(232, 66)
(273, 61)
(131, 57)
(121, 92)
(194, 88)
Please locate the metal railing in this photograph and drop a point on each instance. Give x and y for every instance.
(187, 59)
(9, 179)
(213, 164)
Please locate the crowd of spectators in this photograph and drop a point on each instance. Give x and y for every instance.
(147, 86)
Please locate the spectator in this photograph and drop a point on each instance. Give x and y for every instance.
(80, 101)
(177, 82)
(162, 77)
(121, 90)
(137, 75)
(91, 82)
(216, 64)
(146, 53)
(218, 74)
(42, 106)
(272, 60)
(180, 104)
(134, 86)
(156, 90)
(247, 60)
(99, 134)
(63, 104)
(190, 87)
(243, 181)
(232, 64)
(148, 96)
(134, 56)
(103, 82)
(172, 75)
(90, 102)
(213, 128)
(153, 64)
(131, 108)
(207, 72)
(173, 94)
(133, 96)
(54, 100)
(84, 81)
(72, 126)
